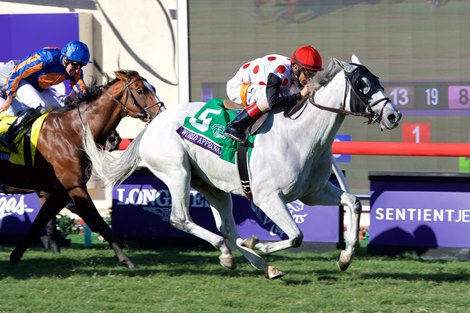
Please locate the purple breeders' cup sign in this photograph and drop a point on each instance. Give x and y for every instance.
(142, 207)
(17, 212)
(23, 34)
(420, 210)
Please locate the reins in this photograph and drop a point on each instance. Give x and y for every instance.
(368, 113)
(143, 110)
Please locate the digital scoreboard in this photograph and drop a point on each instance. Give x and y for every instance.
(414, 96)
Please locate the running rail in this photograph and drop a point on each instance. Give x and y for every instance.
(442, 149)
(438, 149)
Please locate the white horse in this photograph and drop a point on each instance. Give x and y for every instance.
(291, 160)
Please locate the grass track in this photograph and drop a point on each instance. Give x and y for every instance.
(190, 280)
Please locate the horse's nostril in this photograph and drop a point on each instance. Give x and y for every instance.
(394, 117)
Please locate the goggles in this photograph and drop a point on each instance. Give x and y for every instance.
(76, 65)
(308, 73)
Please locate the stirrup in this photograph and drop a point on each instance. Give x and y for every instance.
(8, 144)
(230, 134)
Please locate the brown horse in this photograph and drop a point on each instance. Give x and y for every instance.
(53, 238)
(61, 167)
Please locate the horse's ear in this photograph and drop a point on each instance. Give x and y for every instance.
(344, 65)
(121, 75)
(355, 59)
(125, 75)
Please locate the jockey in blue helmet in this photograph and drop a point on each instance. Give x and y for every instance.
(76, 51)
(30, 80)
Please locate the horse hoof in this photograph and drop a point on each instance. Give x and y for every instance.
(227, 262)
(14, 259)
(273, 273)
(250, 242)
(344, 260)
(129, 264)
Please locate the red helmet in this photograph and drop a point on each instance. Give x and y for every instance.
(307, 57)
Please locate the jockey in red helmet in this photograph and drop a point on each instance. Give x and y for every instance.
(269, 82)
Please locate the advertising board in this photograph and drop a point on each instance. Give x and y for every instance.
(427, 210)
(142, 207)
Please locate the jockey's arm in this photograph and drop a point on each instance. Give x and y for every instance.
(273, 93)
(78, 85)
(5, 105)
(21, 71)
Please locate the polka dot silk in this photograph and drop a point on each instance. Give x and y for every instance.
(256, 73)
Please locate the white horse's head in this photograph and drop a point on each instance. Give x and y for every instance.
(367, 95)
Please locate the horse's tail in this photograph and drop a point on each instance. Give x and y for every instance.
(111, 169)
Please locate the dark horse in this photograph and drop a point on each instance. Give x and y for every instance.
(61, 167)
(53, 239)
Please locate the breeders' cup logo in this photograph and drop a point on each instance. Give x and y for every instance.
(156, 201)
(218, 131)
(13, 205)
(164, 212)
(295, 208)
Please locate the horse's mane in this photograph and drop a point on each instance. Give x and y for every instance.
(94, 91)
(325, 76)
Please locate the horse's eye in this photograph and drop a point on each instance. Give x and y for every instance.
(364, 85)
(140, 91)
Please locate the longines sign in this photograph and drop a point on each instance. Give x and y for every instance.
(142, 207)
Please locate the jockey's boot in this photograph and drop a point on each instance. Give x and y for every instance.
(237, 128)
(7, 139)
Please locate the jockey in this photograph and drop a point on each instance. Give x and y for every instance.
(30, 80)
(266, 83)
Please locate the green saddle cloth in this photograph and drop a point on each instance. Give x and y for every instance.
(206, 129)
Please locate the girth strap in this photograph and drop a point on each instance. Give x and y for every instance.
(28, 160)
(242, 163)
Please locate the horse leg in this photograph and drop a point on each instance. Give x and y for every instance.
(48, 210)
(87, 211)
(52, 235)
(221, 205)
(276, 210)
(332, 195)
(226, 258)
(177, 178)
(352, 241)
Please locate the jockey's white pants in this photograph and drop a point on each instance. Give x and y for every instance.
(28, 97)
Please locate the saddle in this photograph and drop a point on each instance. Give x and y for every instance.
(26, 152)
(231, 105)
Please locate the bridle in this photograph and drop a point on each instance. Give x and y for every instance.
(359, 102)
(143, 114)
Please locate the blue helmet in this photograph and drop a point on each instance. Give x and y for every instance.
(76, 51)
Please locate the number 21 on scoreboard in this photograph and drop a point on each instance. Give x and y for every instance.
(416, 132)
